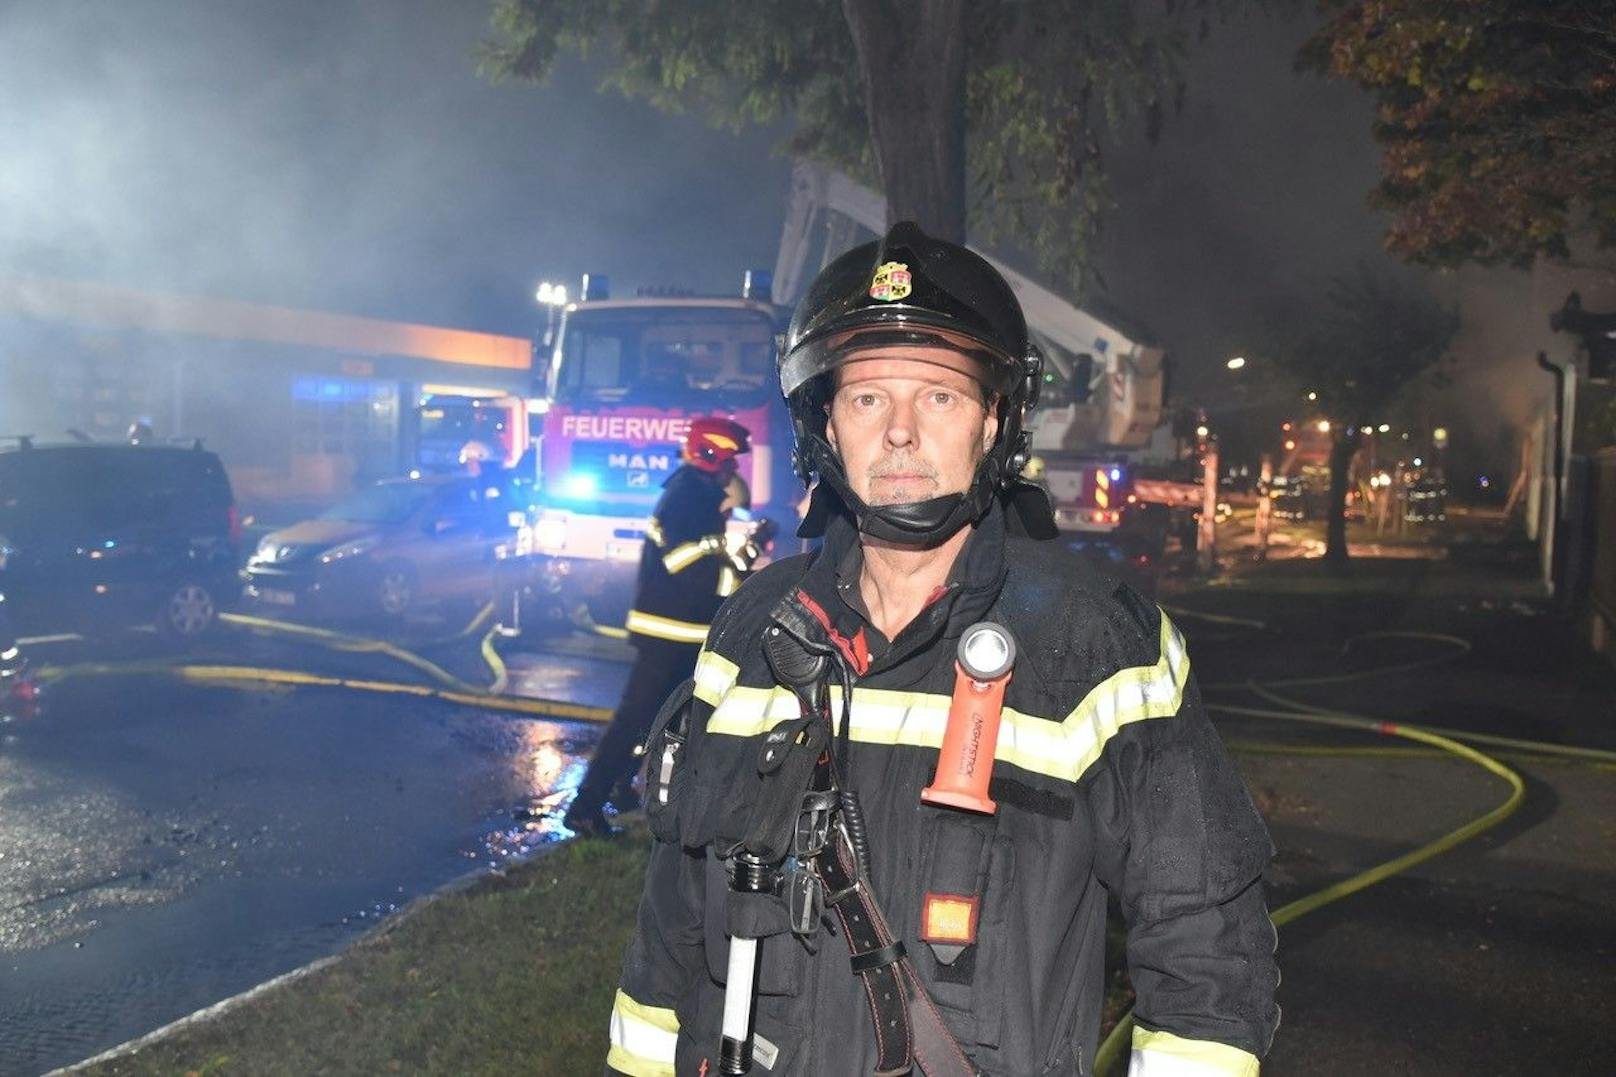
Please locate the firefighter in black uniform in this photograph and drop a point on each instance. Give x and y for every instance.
(807, 910)
(686, 571)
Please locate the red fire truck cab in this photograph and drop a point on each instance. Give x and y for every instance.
(624, 379)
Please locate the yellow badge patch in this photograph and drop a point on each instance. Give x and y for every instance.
(949, 918)
(892, 282)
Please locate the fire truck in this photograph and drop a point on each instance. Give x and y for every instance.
(623, 379)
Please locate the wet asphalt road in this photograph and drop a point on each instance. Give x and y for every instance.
(1495, 958)
(163, 846)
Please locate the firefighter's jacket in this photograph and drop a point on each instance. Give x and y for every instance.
(1108, 778)
(686, 571)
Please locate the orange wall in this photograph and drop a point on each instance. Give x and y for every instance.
(128, 308)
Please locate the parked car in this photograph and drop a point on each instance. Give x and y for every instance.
(100, 537)
(393, 547)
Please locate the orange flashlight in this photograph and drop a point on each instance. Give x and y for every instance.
(965, 764)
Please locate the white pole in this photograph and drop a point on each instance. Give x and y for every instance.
(1205, 555)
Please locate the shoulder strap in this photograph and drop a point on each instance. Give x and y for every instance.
(909, 1031)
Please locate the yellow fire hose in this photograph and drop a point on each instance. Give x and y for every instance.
(1116, 1042)
(453, 690)
(341, 641)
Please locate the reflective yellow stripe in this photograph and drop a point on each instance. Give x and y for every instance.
(643, 1038)
(682, 557)
(1062, 750)
(686, 554)
(649, 624)
(653, 531)
(728, 581)
(1162, 1054)
(714, 675)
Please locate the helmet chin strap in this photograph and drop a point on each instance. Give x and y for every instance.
(921, 524)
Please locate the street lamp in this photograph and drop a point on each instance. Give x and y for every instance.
(1236, 363)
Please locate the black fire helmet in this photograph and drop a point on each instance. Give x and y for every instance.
(903, 289)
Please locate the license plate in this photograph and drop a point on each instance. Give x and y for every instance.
(277, 598)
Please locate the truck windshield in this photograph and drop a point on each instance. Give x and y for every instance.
(678, 356)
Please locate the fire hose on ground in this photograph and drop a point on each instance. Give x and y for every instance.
(1446, 741)
(449, 688)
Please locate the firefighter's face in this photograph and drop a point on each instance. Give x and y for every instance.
(909, 424)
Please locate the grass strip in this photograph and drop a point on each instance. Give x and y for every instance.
(512, 974)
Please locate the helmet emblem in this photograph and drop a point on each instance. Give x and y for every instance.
(892, 282)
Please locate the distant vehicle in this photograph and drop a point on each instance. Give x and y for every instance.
(101, 537)
(1131, 554)
(1426, 500)
(394, 547)
(448, 423)
(1290, 497)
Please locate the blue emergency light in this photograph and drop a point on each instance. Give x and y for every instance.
(595, 286)
(758, 284)
(582, 484)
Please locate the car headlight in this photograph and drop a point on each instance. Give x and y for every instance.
(266, 549)
(347, 550)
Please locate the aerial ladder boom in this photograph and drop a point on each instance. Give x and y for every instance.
(1119, 379)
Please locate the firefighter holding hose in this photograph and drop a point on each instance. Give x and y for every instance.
(912, 765)
(686, 571)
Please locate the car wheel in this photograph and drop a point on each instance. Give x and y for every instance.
(395, 589)
(188, 612)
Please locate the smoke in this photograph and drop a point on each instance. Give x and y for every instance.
(1255, 196)
(345, 155)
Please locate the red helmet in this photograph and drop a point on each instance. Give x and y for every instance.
(711, 442)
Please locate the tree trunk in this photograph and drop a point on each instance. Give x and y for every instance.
(912, 57)
(1342, 450)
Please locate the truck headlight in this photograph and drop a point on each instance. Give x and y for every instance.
(550, 533)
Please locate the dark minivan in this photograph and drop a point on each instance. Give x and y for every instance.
(101, 536)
